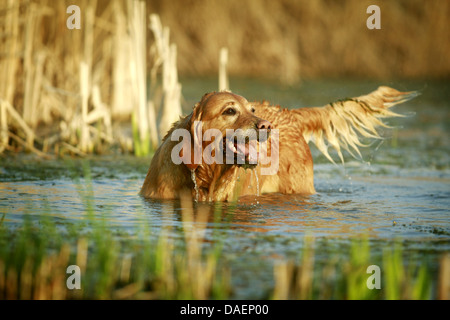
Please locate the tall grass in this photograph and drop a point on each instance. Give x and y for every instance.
(33, 264)
(346, 276)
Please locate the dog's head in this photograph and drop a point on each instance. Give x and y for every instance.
(226, 123)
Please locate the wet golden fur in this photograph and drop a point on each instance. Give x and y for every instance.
(337, 125)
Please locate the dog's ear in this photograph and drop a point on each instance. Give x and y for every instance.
(206, 97)
(193, 156)
(197, 112)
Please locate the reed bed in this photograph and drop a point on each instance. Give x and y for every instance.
(68, 90)
(295, 40)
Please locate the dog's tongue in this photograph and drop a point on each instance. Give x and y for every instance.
(242, 148)
(248, 150)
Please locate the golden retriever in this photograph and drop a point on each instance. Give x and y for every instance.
(255, 148)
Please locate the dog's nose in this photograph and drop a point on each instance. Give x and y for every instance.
(264, 124)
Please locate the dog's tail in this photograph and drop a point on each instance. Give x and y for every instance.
(340, 123)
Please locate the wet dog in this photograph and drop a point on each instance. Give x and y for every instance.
(229, 147)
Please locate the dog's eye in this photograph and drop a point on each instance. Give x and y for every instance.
(229, 112)
(253, 110)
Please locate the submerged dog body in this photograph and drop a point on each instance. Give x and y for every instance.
(280, 143)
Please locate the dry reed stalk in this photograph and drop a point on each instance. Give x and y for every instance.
(11, 26)
(157, 47)
(152, 122)
(28, 146)
(283, 272)
(101, 112)
(165, 57)
(223, 64)
(444, 278)
(305, 280)
(295, 282)
(88, 31)
(122, 82)
(35, 115)
(26, 280)
(2, 279)
(16, 116)
(85, 143)
(172, 92)
(33, 64)
(30, 27)
(73, 149)
(11, 284)
(137, 27)
(157, 52)
(3, 127)
(8, 65)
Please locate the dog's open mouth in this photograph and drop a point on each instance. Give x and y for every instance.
(243, 150)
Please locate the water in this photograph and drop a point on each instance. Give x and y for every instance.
(399, 190)
(194, 180)
(257, 183)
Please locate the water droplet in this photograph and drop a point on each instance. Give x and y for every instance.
(195, 184)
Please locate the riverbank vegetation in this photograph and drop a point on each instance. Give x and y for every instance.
(112, 85)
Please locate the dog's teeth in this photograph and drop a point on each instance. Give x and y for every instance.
(231, 146)
(252, 158)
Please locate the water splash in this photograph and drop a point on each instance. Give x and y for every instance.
(372, 155)
(257, 183)
(194, 180)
